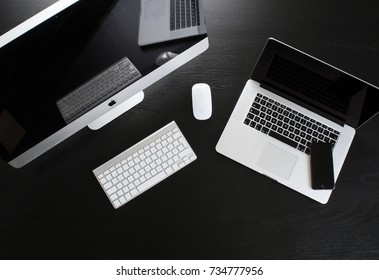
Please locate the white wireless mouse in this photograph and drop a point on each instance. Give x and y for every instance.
(201, 101)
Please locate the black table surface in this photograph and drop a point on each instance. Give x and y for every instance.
(214, 208)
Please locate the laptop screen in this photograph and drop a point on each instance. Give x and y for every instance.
(316, 85)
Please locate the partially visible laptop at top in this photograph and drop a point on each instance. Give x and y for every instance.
(292, 100)
(165, 20)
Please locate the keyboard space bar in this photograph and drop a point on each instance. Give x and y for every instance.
(283, 139)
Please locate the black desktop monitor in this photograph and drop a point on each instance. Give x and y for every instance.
(53, 53)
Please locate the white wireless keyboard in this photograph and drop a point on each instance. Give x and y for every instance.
(144, 165)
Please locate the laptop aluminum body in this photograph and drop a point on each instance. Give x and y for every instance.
(157, 24)
(272, 157)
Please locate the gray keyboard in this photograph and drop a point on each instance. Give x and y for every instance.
(97, 90)
(144, 165)
(184, 14)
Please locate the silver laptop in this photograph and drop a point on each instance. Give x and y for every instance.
(292, 100)
(165, 20)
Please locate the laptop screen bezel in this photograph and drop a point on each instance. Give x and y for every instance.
(359, 111)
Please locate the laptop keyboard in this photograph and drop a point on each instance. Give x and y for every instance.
(184, 14)
(287, 125)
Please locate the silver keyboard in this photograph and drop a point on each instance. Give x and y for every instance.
(97, 90)
(144, 165)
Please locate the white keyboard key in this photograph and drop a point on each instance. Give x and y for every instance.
(107, 185)
(176, 135)
(111, 190)
(183, 141)
(181, 147)
(169, 170)
(134, 192)
(185, 152)
(128, 196)
(122, 199)
(149, 183)
(117, 203)
(144, 165)
(113, 196)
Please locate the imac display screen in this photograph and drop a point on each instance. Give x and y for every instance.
(47, 89)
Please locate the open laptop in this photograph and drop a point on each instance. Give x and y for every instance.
(292, 100)
(165, 20)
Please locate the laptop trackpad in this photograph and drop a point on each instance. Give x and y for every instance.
(155, 9)
(277, 161)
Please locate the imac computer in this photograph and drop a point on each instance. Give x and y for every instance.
(54, 64)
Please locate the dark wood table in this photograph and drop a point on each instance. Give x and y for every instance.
(215, 208)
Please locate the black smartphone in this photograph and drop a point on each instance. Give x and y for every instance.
(322, 173)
